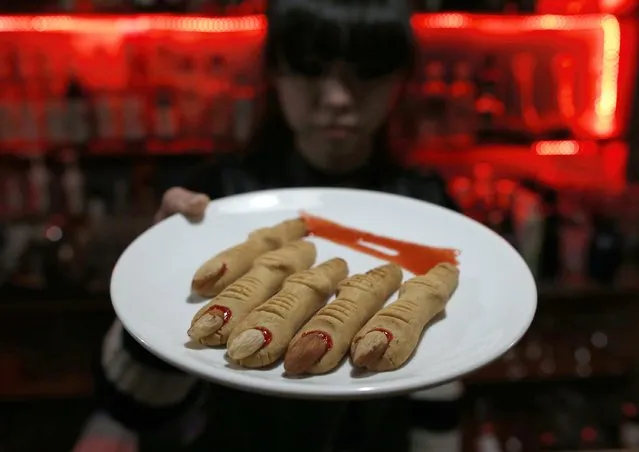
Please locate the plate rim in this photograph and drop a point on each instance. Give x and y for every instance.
(246, 382)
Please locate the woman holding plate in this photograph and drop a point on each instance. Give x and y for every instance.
(336, 70)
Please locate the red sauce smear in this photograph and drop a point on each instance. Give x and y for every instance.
(418, 259)
(226, 312)
(222, 270)
(266, 333)
(388, 334)
(325, 337)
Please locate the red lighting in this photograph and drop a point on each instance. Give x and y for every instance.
(132, 24)
(588, 434)
(556, 147)
(547, 439)
(487, 429)
(600, 122)
(629, 409)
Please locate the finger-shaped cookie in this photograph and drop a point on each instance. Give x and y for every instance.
(213, 324)
(391, 336)
(323, 342)
(262, 337)
(226, 267)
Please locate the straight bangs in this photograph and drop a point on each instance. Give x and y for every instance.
(306, 36)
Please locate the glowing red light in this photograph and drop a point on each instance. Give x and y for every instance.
(629, 409)
(588, 434)
(547, 439)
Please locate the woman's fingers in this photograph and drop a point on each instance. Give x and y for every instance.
(179, 200)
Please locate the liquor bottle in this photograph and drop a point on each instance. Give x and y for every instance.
(461, 189)
(165, 115)
(132, 100)
(629, 426)
(14, 64)
(244, 93)
(435, 419)
(105, 116)
(77, 111)
(550, 267)
(189, 103)
(484, 193)
(529, 227)
(524, 66)
(489, 106)
(605, 251)
(17, 233)
(629, 421)
(505, 192)
(574, 236)
(29, 117)
(564, 73)
(461, 111)
(219, 92)
(487, 439)
(72, 183)
(434, 93)
(54, 110)
(39, 180)
(9, 119)
(14, 194)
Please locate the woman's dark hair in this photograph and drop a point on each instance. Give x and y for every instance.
(304, 36)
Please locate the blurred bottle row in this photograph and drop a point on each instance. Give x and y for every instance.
(494, 98)
(196, 105)
(49, 204)
(164, 97)
(566, 418)
(567, 237)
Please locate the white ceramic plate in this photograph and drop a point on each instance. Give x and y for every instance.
(490, 311)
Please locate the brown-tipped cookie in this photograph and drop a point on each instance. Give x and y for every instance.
(213, 324)
(226, 267)
(402, 322)
(281, 316)
(358, 299)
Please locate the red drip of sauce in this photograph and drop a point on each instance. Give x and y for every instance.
(222, 270)
(418, 259)
(267, 335)
(388, 334)
(325, 337)
(226, 312)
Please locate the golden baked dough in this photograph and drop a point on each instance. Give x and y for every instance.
(226, 267)
(262, 337)
(388, 339)
(213, 324)
(324, 341)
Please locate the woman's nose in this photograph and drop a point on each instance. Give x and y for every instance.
(335, 94)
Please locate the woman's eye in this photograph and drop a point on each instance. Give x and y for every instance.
(311, 68)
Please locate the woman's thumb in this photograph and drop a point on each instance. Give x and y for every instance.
(180, 200)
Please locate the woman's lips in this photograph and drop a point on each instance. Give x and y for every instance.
(339, 132)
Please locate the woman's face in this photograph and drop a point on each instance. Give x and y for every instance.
(334, 116)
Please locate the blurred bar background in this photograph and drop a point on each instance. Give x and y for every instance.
(529, 108)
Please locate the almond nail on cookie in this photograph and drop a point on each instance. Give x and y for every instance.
(213, 323)
(263, 336)
(390, 337)
(226, 267)
(323, 342)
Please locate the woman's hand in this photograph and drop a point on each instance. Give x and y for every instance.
(179, 200)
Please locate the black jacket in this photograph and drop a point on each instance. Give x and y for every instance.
(283, 422)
